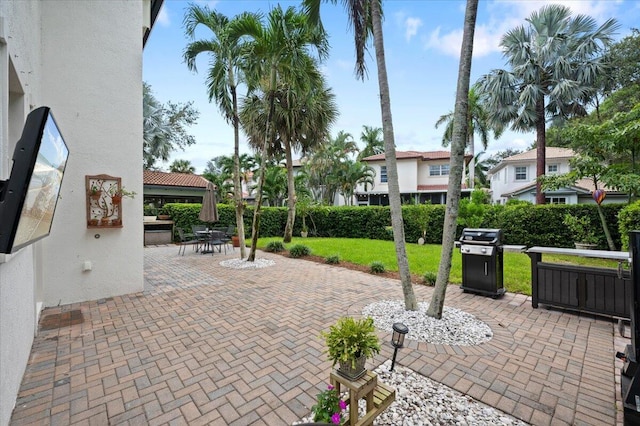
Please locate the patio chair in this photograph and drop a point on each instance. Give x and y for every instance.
(186, 240)
(228, 233)
(215, 240)
(198, 233)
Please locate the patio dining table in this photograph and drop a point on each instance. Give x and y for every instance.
(210, 238)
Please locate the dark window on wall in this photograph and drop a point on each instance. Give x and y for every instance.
(521, 173)
(383, 174)
(378, 200)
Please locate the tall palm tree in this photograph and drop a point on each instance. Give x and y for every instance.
(301, 119)
(352, 173)
(481, 167)
(478, 123)
(366, 20)
(226, 72)
(277, 52)
(555, 64)
(274, 187)
(373, 142)
(326, 163)
(343, 146)
(182, 166)
(458, 142)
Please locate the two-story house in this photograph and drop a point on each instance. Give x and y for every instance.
(515, 177)
(422, 177)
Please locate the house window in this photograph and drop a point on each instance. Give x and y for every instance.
(556, 200)
(439, 170)
(521, 173)
(552, 168)
(383, 174)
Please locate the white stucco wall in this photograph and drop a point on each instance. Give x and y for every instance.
(19, 32)
(84, 60)
(503, 180)
(407, 175)
(99, 111)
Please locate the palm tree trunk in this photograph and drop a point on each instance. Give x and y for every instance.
(541, 141)
(459, 139)
(291, 201)
(410, 302)
(263, 167)
(472, 163)
(237, 184)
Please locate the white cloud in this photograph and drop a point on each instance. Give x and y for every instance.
(486, 41)
(600, 10)
(411, 27)
(163, 17)
(507, 14)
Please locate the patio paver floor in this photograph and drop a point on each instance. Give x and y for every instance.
(204, 344)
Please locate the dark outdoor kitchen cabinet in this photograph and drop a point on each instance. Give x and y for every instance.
(482, 273)
(603, 291)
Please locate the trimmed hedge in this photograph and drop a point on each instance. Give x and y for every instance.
(523, 224)
(629, 220)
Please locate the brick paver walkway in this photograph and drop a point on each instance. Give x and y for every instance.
(205, 344)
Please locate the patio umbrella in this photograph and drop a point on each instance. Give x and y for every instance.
(209, 211)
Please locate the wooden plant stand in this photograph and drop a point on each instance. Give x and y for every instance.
(378, 396)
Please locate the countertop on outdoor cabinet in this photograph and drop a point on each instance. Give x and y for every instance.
(600, 254)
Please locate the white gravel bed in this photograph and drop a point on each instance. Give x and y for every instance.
(421, 401)
(455, 328)
(244, 264)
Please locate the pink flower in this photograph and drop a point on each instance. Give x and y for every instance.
(342, 404)
(329, 387)
(335, 419)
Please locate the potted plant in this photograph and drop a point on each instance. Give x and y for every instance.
(149, 213)
(235, 239)
(95, 192)
(117, 193)
(580, 227)
(302, 207)
(349, 343)
(163, 214)
(329, 407)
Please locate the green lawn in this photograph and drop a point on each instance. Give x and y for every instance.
(517, 266)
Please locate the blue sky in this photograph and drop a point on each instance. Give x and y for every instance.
(422, 46)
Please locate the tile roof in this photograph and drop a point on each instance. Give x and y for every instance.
(173, 179)
(423, 155)
(585, 186)
(550, 153)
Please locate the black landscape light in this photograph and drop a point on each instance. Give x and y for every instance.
(397, 339)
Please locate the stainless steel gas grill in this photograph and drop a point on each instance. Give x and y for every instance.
(482, 261)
